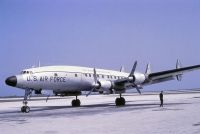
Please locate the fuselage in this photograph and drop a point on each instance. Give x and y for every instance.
(64, 78)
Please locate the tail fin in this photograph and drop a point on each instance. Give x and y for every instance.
(178, 65)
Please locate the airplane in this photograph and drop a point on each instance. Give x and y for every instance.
(72, 80)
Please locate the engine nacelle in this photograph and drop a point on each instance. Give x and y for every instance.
(137, 78)
(105, 85)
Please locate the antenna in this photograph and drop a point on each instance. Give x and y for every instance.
(39, 63)
(122, 69)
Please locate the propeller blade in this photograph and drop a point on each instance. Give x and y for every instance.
(138, 90)
(133, 69)
(90, 92)
(95, 83)
(95, 76)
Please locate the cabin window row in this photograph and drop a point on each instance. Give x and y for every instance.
(104, 76)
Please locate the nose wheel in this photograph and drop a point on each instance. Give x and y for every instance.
(76, 102)
(25, 108)
(120, 101)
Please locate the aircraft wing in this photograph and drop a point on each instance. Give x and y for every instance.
(159, 77)
(171, 73)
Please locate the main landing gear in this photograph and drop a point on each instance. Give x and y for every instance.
(25, 108)
(120, 101)
(76, 102)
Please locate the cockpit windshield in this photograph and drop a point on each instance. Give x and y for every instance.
(26, 72)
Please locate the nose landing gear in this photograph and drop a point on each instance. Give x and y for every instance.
(25, 108)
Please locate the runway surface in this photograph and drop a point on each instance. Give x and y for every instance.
(99, 115)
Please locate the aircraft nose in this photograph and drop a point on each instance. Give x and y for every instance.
(11, 81)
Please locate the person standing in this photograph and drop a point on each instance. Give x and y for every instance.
(161, 98)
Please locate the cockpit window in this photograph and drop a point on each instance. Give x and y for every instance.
(23, 72)
(26, 72)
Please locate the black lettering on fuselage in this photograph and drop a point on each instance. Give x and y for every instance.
(51, 78)
(34, 78)
(41, 78)
(28, 78)
(57, 79)
(46, 78)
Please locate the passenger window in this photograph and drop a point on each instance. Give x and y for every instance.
(76, 75)
(108, 76)
(97, 75)
(55, 74)
(85, 75)
(115, 77)
(102, 76)
(89, 75)
(111, 77)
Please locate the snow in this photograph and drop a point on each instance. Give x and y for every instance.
(99, 115)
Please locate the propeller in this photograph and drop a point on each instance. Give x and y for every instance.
(133, 69)
(132, 75)
(138, 88)
(95, 85)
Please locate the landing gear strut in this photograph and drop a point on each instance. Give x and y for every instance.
(76, 102)
(25, 108)
(120, 101)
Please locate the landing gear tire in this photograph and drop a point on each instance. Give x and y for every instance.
(25, 109)
(120, 101)
(76, 103)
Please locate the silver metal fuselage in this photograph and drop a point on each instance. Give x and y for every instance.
(64, 78)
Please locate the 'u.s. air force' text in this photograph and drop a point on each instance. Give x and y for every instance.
(46, 78)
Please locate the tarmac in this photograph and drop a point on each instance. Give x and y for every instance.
(99, 115)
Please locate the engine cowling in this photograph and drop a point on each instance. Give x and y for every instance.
(137, 78)
(104, 86)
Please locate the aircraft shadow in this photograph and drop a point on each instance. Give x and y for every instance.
(85, 110)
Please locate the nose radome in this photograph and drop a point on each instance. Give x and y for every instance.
(11, 81)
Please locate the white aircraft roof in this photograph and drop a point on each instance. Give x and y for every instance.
(75, 69)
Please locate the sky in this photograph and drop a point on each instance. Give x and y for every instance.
(102, 34)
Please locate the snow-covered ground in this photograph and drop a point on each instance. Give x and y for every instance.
(99, 115)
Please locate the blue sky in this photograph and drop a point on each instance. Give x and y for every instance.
(100, 33)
